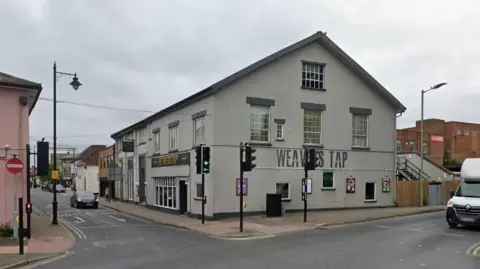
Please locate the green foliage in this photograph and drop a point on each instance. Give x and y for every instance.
(6, 230)
(49, 177)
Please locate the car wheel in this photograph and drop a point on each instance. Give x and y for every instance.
(451, 223)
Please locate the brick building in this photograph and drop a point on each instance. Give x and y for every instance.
(446, 142)
(105, 160)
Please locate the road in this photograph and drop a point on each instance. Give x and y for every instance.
(107, 239)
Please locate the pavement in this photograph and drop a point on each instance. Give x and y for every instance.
(47, 241)
(110, 239)
(259, 227)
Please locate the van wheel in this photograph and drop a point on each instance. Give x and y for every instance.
(451, 223)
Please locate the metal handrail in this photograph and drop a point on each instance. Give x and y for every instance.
(411, 167)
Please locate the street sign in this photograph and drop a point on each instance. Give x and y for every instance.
(14, 165)
(55, 174)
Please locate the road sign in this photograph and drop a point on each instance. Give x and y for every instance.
(55, 174)
(14, 165)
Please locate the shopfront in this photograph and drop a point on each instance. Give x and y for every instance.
(169, 176)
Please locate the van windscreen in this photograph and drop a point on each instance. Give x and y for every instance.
(469, 189)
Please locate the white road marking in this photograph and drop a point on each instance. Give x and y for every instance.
(48, 206)
(123, 226)
(108, 222)
(74, 229)
(474, 250)
(79, 220)
(426, 227)
(117, 219)
(88, 214)
(34, 265)
(118, 242)
(381, 226)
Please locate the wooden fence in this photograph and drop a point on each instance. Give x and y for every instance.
(408, 192)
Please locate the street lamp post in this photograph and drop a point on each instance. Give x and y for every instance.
(75, 85)
(422, 138)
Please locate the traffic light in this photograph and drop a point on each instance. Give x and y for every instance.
(29, 208)
(43, 168)
(198, 159)
(312, 161)
(206, 160)
(249, 158)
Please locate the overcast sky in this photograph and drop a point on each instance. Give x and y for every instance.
(147, 55)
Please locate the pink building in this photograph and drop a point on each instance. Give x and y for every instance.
(17, 100)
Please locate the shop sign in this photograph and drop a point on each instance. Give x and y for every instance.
(182, 158)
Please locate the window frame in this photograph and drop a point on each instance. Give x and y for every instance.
(333, 179)
(195, 121)
(289, 190)
(268, 126)
(360, 136)
(398, 145)
(374, 192)
(425, 147)
(163, 185)
(309, 68)
(412, 146)
(321, 127)
(170, 130)
(281, 130)
(198, 196)
(156, 142)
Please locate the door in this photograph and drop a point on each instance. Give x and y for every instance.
(141, 178)
(183, 196)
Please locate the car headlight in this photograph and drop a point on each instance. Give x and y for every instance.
(449, 204)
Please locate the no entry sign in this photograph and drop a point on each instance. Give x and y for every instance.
(14, 165)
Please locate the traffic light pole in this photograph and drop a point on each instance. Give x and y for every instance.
(203, 190)
(241, 187)
(304, 186)
(29, 187)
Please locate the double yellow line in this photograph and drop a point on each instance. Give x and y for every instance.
(474, 250)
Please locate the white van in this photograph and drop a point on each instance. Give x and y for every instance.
(464, 206)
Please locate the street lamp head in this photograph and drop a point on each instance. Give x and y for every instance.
(75, 83)
(439, 85)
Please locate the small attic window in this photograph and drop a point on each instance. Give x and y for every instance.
(458, 132)
(466, 132)
(313, 75)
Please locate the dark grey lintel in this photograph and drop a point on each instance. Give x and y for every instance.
(361, 111)
(279, 121)
(313, 106)
(260, 101)
(199, 114)
(173, 124)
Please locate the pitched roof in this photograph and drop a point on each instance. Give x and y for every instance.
(7, 80)
(88, 151)
(319, 37)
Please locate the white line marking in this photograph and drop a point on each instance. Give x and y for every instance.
(68, 253)
(381, 226)
(426, 227)
(77, 231)
(108, 222)
(88, 214)
(79, 220)
(123, 226)
(115, 218)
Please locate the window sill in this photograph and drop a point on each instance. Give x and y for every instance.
(280, 139)
(313, 89)
(260, 144)
(361, 148)
(313, 146)
(286, 199)
(173, 151)
(370, 201)
(329, 189)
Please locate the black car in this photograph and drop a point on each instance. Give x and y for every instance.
(84, 199)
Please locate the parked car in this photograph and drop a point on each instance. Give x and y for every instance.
(84, 199)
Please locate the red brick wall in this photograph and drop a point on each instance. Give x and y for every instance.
(459, 146)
